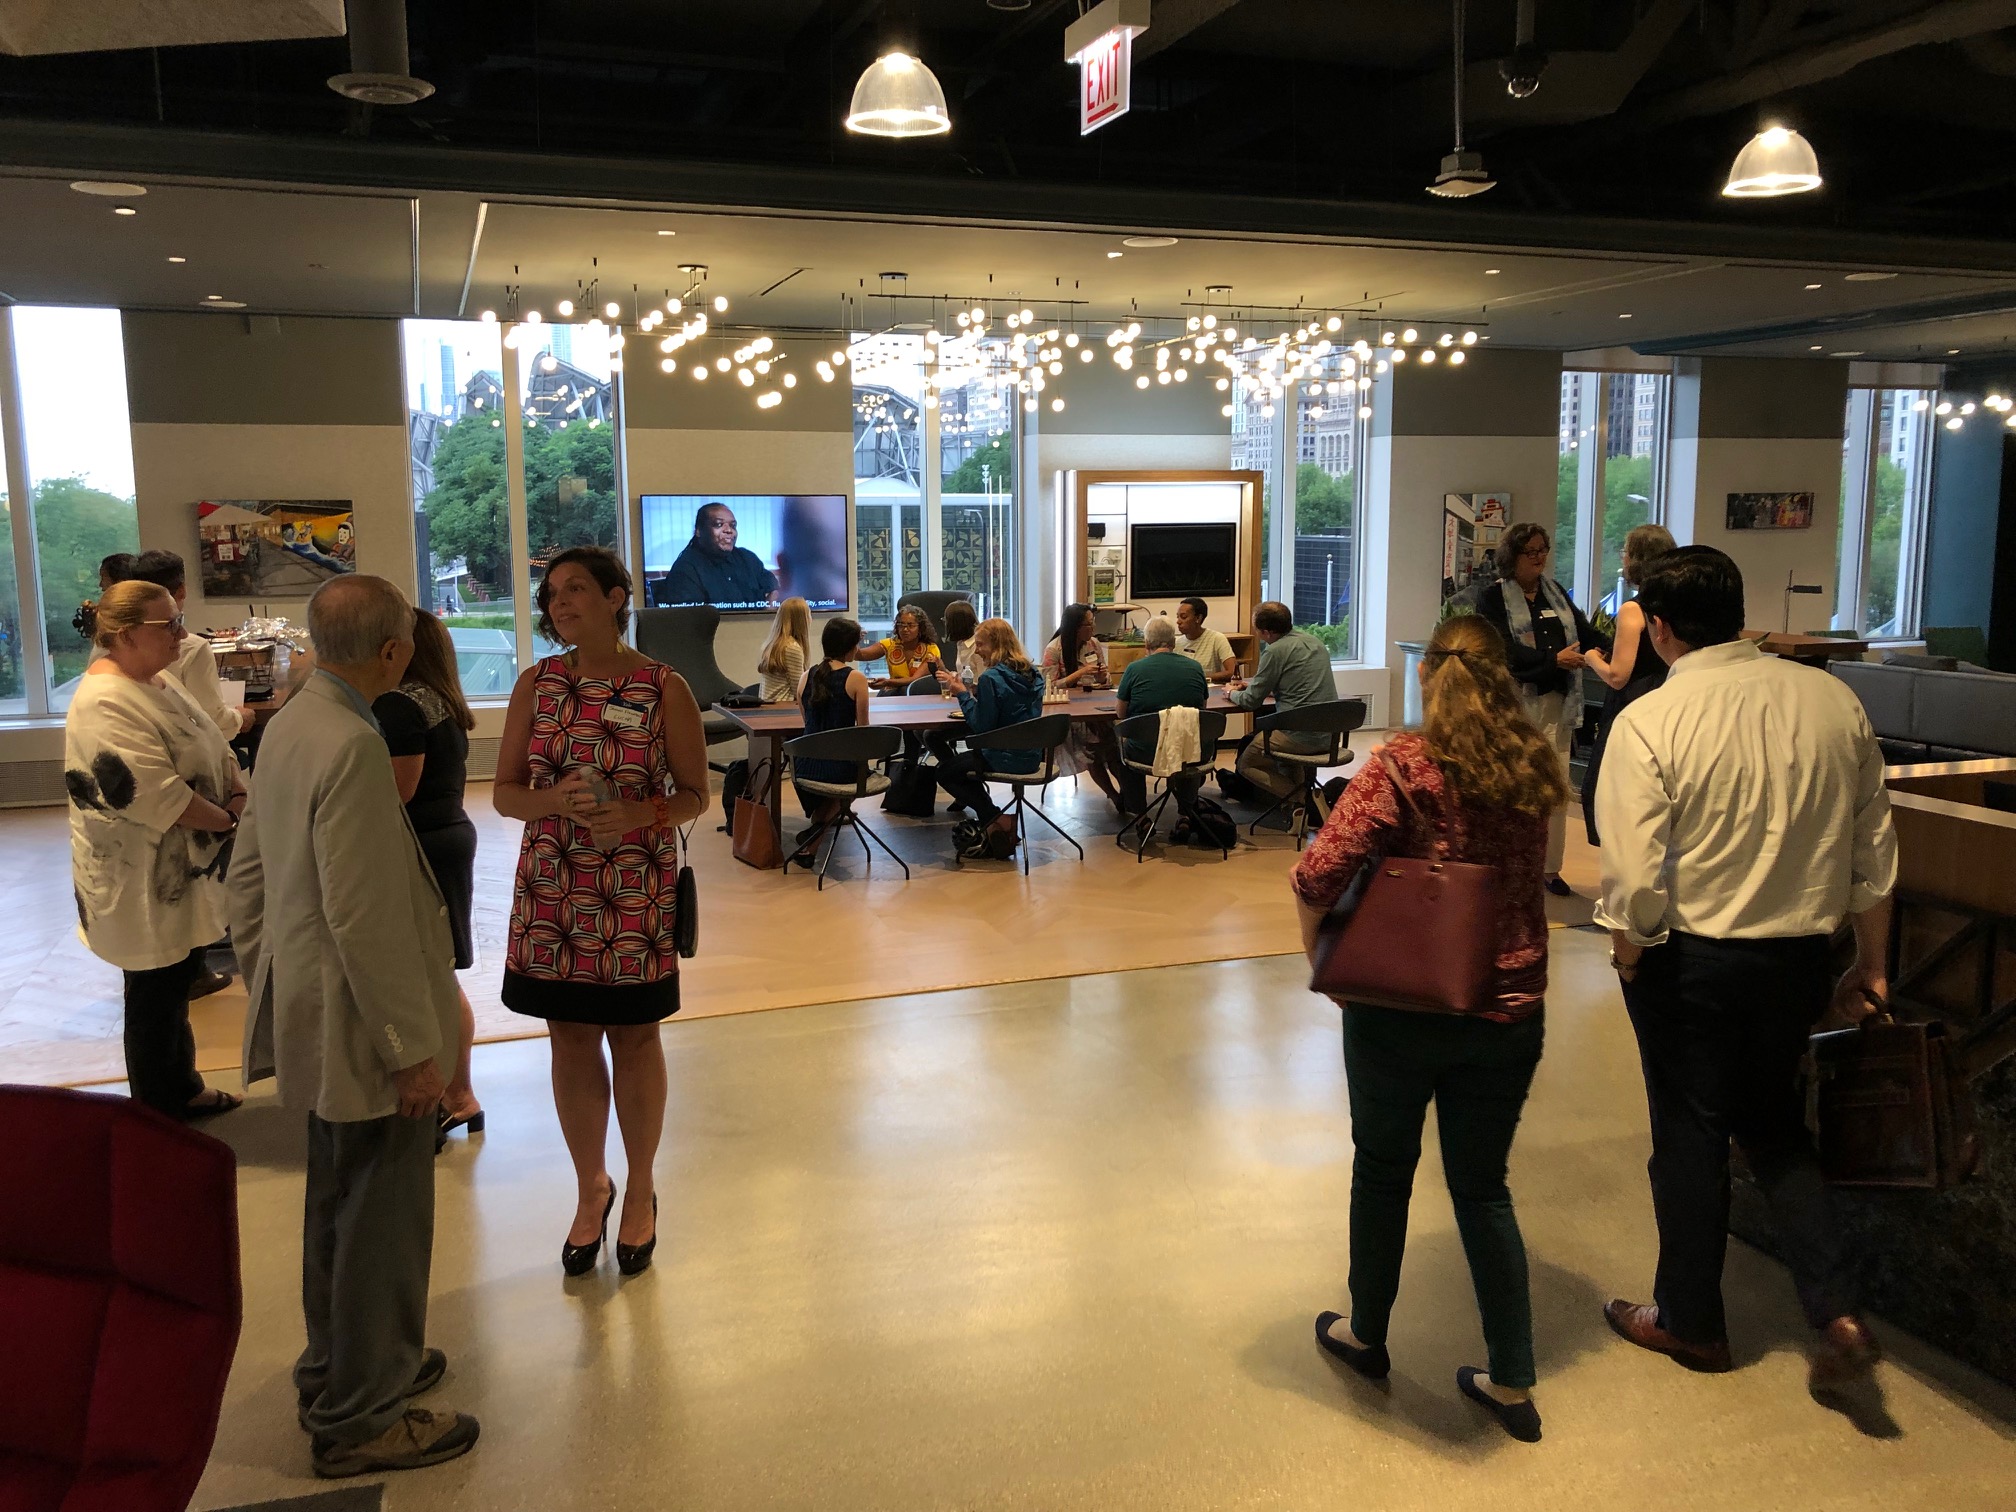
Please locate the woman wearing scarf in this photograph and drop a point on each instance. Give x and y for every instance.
(1546, 638)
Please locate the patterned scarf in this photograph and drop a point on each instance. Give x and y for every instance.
(1519, 619)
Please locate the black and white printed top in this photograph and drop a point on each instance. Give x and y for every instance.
(148, 892)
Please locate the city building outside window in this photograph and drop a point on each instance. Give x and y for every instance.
(889, 471)
(1612, 478)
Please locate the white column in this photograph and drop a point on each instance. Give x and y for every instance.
(934, 508)
(514, 495)
(1858, 496)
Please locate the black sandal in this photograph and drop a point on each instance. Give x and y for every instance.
(211, 1101)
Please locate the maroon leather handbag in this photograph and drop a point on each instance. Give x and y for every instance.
(1412, 932)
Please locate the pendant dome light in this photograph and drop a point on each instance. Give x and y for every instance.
(897, 96)
(1776, 161)
(1462, 172)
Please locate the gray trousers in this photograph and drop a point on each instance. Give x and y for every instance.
(367, 1242)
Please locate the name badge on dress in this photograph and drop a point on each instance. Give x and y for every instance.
(622, 716)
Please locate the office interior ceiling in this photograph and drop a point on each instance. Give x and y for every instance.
(361, 253)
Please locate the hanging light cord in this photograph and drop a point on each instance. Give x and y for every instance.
(1456, 94)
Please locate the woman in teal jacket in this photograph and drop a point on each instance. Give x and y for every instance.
(1009, 690)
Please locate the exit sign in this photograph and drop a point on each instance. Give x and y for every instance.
(1101, 43)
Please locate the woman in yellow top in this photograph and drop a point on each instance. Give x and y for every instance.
(912, 651)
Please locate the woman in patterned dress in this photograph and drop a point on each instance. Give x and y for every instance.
(603, 757)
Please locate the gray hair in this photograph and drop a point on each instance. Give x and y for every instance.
(1159, 636)
(350, 619)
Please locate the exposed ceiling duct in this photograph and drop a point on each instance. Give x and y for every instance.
(380, 73)
(31, 27)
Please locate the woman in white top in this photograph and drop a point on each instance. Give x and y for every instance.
(154, 794)
(782, 662)
(195, 665)
(1091, 748)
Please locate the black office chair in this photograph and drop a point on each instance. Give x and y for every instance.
(933, 602)
(864, 745)
(1148, 728)
(683, 639)
(1044, 735)
(1335, 719)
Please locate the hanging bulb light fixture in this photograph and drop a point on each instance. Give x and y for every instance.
(1462, 172)
(897, 96)
(1776, 161)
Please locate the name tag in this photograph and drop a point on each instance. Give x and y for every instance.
(622, 716)
(1549, 614)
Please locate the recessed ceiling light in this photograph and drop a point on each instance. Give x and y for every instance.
(1491, 272)
(124, 210)
(1952, 351)
(1844, 354)
(109, 188)
(1625, 316)
(1814, 348)
(214, 303)
(1812, 286)
(1115, 254)
(667, 233)
(1147, 241)
(178, 259)
(1869, 277)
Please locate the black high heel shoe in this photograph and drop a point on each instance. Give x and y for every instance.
(446, 1123)
(633, 1258)
(579, 1259)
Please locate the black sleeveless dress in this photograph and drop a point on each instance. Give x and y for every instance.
(1648, 671)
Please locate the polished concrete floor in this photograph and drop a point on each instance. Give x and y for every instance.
(1059, 1245)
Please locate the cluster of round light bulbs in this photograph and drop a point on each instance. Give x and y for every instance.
(1954, 413)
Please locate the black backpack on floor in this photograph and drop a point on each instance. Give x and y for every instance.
(1211, 827)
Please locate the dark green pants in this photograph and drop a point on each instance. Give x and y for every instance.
(1476, 1072)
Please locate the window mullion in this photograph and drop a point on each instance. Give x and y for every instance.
(21, 516)
(514, 495)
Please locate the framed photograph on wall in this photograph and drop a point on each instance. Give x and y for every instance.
(1472, 525)
(274, 548)
(1770, 511)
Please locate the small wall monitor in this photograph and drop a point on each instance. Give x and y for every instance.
(1173, 561)
(745, 553)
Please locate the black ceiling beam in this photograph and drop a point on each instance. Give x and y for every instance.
(230, 159)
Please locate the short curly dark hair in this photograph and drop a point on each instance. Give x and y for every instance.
(601, 564)
(1514, 545)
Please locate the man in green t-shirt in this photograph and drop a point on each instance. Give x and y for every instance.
(1160, 680)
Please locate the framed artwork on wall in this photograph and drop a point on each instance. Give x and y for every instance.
(274, 548)
(1472, 525)
(1770, 511)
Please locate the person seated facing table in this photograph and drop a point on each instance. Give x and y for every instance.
(1009, 691)
(1206, 647)
(834, 696)
(911, 651)
(782, 662)
(712, 569)
(1075, 659)
(960, 623)
(1295, 669)
(1160, 679)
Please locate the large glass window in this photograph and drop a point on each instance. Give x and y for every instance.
(1257, 430)
(976, 469)
(74, 428)
(1612, 478)
(13, 674)
(568, 405)
(1329, 440)
(1886, 478)
(888, 370)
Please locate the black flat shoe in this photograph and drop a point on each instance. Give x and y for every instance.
(579, 1259)
(1559, 888)
(1371, 1362)
(633, 1258)
(446, 1123)
(1520, 1419)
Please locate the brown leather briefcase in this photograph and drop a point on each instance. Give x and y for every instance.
(1892, 1107)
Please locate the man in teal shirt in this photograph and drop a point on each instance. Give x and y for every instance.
(1159, 680)
(1295, 669)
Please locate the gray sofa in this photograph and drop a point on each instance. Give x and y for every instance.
(1921, 714)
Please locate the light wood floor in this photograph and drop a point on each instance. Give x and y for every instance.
(766, 940)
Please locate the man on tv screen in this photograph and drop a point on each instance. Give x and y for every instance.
(712, 569)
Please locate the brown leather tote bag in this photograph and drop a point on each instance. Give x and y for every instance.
(1892, 1107)
(752, 835)
(1412, 933)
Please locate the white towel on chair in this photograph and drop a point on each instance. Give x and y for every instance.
(1177, 743)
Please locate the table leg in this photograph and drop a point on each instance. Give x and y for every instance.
(777, 788)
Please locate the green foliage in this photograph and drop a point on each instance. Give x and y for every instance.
(1886, 544)
(479, 622)
(1622, 477)
(468, 513)
(1323, 504)
(1337, 637)
(997, 456)
(76, 526)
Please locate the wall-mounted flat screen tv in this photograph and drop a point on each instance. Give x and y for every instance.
(746, 552)
(1172, 561)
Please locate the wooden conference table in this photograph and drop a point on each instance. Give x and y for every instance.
(773, 724)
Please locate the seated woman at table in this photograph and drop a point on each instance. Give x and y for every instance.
(960, 623)
(1076, 659)
(910, 651)
(781, 664)
(1009, 691)
(834, 696)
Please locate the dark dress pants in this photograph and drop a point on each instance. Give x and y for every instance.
(1477, 1073)
(160, 1049)
(1722, 1025)
(959, 774)
(367, 1245)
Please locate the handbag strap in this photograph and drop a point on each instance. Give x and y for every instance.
(760, 777)
(1414, 807)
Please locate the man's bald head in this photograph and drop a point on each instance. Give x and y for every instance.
(362, 628)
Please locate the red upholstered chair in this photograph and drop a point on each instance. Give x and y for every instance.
(119, 1302)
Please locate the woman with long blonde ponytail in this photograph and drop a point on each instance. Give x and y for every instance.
(1483, 779)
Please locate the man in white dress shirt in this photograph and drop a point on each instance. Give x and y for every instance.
(1743, 817)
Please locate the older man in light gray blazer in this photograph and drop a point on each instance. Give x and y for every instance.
(348, 962)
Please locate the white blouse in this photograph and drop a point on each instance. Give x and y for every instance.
(148, 891)
(196, 669)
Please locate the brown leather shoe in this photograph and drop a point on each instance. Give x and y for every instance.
(1638, 1323)
(1844, 1353)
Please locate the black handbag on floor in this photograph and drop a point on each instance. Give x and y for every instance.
(913, 791)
